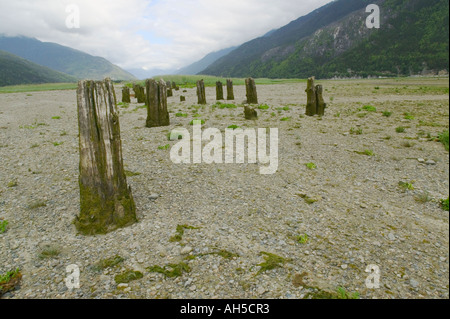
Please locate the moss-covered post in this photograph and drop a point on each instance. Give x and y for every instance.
(252, 96)
(158, 114)
(106, 202)
(139, 93)
(311, 105)
(126, 95)
(201, 92)
(219, 91)
(169, 89)
(182, 98)
(230, 90)
(250, 113)
(321, 105)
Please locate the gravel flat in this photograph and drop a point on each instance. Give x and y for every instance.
(351, 206)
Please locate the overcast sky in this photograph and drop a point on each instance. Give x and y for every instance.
(164, 34)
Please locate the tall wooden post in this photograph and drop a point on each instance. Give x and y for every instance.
(201, 92)
(321, 105)
(158, 114)
(139, 93)
(252, 96)
(126, 95)
(219, 91)
(311, 105)
(169, 89)
(230, 91)
(106, 202)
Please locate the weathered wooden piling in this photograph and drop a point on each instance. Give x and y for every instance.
(157, 114)
(106, 201)
(230, 90)
(252, 95)
(219, 91)
(126, 95)
(250, 113)
(201, 92)
(169, 89)
(315, 103)
(311, 105)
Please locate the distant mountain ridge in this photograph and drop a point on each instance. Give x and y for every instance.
(202, 64)
(334, 41)
(63, 59)
(15, 70)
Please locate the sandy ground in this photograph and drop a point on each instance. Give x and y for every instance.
(350, 206)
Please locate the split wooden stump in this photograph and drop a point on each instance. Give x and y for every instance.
(201, 92)
(250, 113)
(230, 90)
(106, 201)
(219, 91)
(315, 103)
(252, 96)
(158, 114)
(126, 95)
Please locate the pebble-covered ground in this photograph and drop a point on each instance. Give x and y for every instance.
(372, 197)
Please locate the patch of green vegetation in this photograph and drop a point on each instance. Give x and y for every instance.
(444, 139)
(165, 147)
(285, 119)
(180, 232)
(358, 131)
(108, 263)
(445, 204)
(9, 281)
(222, 106)
(3, 225)
(37, 204)
(311, 165)
(309, 200)
(233, 127)
(387, 114)
(406, 185)
(272, 261)
(171, 270)
(56, 117)
(302, 239)
(408, 116)
(400, 129)
(222, 253)
(369, 108)
(429, 124)
(366, 152)
(131, 174)
(181, 115)
(38, 87)
(49, 253)
(263, 107)
(197, 121)
(12, 184)
(58, 143)
(340, 293)
(128, 276)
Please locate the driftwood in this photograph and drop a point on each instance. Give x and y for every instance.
(158, 114)
(201, 92)
(230, 91)
(126, 95)
(252, 96)
(106, 202)
(219, 91)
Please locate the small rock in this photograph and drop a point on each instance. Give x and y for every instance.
(391, 237)
(430, 162)
(421, 160)
(153, 196)
(344, 266)
(122, 286)
(186, 250)
(414, 283)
